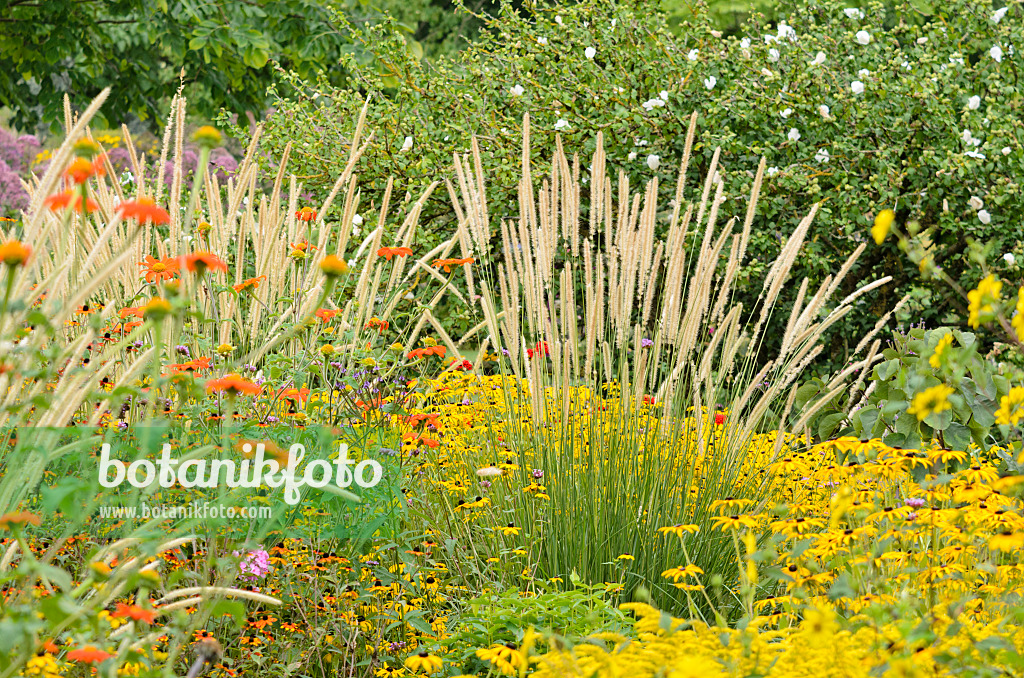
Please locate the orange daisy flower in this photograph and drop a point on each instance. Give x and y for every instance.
(233, 384)
(306, 214)
(135, 612)
(381, 325)
(294, 394)
(199, 262)
(89, 655)
(144, 210)
(447, 264)
(13, 253)
(427, 351)
(81, 169)
(72, 199)
(9, 520)
(250, 284)
(159, 269)
(327, 314)
(388, 252)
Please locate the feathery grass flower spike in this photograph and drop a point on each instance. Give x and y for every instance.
(930, 401)
(144, 210)
(14, 253)
(883, 224)
(333, 266)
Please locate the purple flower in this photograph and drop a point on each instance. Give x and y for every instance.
(645, 342)
(537, 473)
(255, 564)
(485, 484)
(183, 350)
(914, 502)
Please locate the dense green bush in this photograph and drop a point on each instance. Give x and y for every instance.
(860, 109)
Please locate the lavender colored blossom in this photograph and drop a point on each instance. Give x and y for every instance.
(255, 564)
(914, 502)
(537, 473)
(645, 342)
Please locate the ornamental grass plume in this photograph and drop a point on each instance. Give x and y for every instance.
(621, 282)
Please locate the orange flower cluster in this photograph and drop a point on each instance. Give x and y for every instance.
(327, 314)
(427, 351)
(388, 252)
(381, 325)
(305, 214)
(447, 264)
(541, 345)
(134, 612)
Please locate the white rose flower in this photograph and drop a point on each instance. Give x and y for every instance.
(517, 91)
(406, 145)
(819, 59)
(1009, 258)
(614, 21)
(975, 154)
(854, 12)
(562, 123)
(857, 86)
(996, 53)
(772, 171)
(745, 43)
(824, 110)
(998, 15)
(863, 73)
(632, 156)
(974, 102)
(663, 94)
(651, 104)
(786, 113)
(773, 54)
(558, 19)
(984, 217)
(542, 40)
(692, 55)
(786, 31)
(976, 203)
(1006, 150)
(794, 134)
(822, 156)
(653, 161)
(710, 82)
(863, 37)
(590, 52)
(922, 41)
(767, 73)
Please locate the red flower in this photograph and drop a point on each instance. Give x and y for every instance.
(429, 350)
(326, 314)
(143, 210)
(89, 655)
(72, 199)
(135, 612)
(466, 365)
(447, 264)
(719, 418)
(232, 384)
(81, 169)
(388, 252)
(199, 262)
(381, 325)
